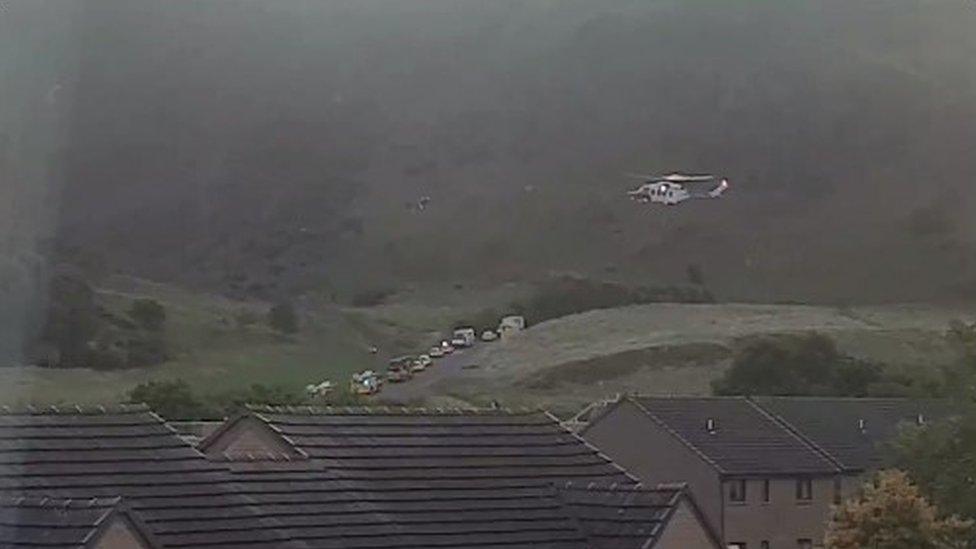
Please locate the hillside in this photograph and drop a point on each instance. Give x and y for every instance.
(259, 150)
(217, 345)
(679, 349)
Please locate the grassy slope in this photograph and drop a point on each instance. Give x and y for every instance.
(209, 349)
(214, 353)
(679, 349)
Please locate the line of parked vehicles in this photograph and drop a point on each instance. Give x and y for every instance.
(405, 367)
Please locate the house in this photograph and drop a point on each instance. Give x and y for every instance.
(305, 478)
(663, 517)
(757, 481)
(399, 477)
(77, 455)
(852, 431)
(95, 523)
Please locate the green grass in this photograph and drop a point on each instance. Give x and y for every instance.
(208, 349)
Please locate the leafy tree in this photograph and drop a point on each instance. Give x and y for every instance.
(807, 364)
(890, 513)
(939, 457)
(282, 317)
(232, 401)
(148, 313)
(172, 400)
(72, 319)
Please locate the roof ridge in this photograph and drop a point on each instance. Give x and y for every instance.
(795, 433)
(616, 488)
(73, 409)
(667, 428)
(599, 453)
(684, 397)
(390, 410)
(846, 398)
(46, 502)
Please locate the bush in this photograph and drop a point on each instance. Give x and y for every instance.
(176, 400)
(172, 400)
(282, 317)
(148, 313)
(798, 365)
(72, 321)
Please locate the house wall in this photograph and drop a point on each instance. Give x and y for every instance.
(685, 531)
(652, 454)
(248, 437)
(119, 535)
(783, 520)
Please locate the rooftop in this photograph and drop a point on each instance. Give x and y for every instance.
(851, 430)
(85, 454)
(735, 436)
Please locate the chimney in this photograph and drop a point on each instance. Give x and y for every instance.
(920, 419)
(861, 426)
(710, 426)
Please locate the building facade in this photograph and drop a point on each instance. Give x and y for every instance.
(761, 485)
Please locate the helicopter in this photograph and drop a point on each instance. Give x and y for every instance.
(675, 188)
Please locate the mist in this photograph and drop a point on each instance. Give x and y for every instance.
(36, 76)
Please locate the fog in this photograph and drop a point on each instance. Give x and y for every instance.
(268, 148)
(36, 76)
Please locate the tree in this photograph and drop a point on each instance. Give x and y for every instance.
(806, 364)
(72, 319)
(890, 513)
(171, 399)
(939, 456)
(148, 313)
(282, 317)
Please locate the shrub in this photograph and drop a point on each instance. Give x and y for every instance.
(148, 313)
(807, 364)
(172, 400)
(282, 317)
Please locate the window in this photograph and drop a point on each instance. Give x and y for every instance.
(737, 490)
(763, 544)
(838, 491)
(766, 491)
(804, 489)
(804, 544)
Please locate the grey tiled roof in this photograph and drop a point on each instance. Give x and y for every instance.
(405, 444)
(323, 510)
(395, 479)
(128, 451)
(745, 439)
(835, 424)
(622, 517)
(424, 478)
(54, 523)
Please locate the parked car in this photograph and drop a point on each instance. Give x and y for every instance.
(399, 369)
(398, 373)
(488, 335)
(436, 352)
(425, 360)
(463, 337)
(417, 366)
(365, 383)
(318, 390)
